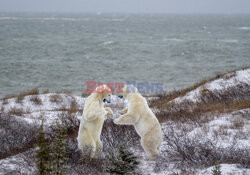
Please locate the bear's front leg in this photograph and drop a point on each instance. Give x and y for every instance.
(109, 112)
(124, 111)
(126, 119)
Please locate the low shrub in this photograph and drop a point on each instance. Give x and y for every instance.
(36, 100)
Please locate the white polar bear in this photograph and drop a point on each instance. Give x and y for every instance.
(92, 120)
(146, 124)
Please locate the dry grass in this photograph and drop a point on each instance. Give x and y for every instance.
(68, 92)
(10, 96)
(45, 91)
(34, 91)
(16, 111)
(56, 98)
(196, 151)
(167, 97)
(20, 96)
(71, 110)
(18, 135)
(84, 94)
(28, 111)
(210, 103)
(5, 101)
(73, 106)
(174, 111)
(238, 123)
(36, 100)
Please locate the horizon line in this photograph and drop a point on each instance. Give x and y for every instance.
(113, 13)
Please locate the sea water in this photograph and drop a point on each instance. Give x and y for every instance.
(63, 51)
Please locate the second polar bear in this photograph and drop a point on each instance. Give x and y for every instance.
(92, 120)
(145, 122)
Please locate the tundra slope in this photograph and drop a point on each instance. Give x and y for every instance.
(209, 123)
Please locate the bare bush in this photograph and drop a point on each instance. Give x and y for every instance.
(84, 94)
(20, 97)
(56, 98)
(73, 106)
(45, 91)
(5, 101)
(238, 123)
(197, 151)
(16, 111)
(228, 100)
(34, 91)
(16, 135)
(36, 100)
(68, 92)
(76, 164)
(23, 163)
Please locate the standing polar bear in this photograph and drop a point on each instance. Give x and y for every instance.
(140, 115)
(92, 120)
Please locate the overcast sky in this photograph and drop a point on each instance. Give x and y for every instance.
(127, 6)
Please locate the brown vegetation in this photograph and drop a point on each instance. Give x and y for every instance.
(21, 95)
(16, 111)
(36, 100)
(212, 102)
(196, 151)
(73, 106)
(45, 91)
(5, 101)
(84, 94)
(2, 108)
(56, 98)
(68, 92)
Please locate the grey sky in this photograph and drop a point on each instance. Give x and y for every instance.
(127, 6)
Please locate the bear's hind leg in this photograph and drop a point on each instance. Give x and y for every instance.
(150, 148)
(87, 146)
(99, 147)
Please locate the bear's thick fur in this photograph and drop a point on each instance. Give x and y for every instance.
(92, 120)
(143, 119)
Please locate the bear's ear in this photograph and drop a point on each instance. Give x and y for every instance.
(124, 89)
(99, 89)
(103, 89)
(131, 89)
(107, 90)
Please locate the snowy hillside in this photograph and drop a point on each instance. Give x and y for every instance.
(202, 125)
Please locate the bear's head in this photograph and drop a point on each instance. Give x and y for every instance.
(104, 92)
(126, 90)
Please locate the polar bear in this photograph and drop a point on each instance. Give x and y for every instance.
(92, 120)
(143, 119)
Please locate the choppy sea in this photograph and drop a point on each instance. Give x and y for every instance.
(63, 51)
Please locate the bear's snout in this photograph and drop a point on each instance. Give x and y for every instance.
(105, 100)
(120, 96)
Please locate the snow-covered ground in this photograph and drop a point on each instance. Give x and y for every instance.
(47, 110)
(228, 80)
(223, 130)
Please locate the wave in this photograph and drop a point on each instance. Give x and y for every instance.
(108, 42)
(58, 19)
(44, 19)
(244, 28)
(8, 18)
(114, 19)
(172, 39)
(228, 40)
